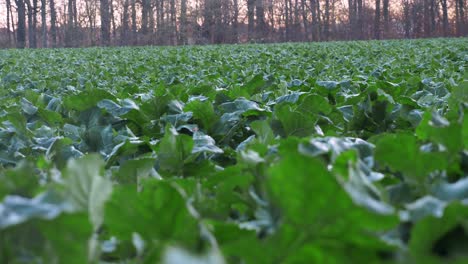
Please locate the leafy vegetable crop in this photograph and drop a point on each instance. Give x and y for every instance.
(352, 152)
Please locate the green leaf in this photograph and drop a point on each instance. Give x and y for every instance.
(295, 123)
(15, 210)
(203, 112)
(19, 181)
(61, 150)
(87, 188)
(177, 255)
(451, 191)
(329, 85)
(204, 143)
(241, 106)
(158, 213)
(263, 130)
(401, 153)
(173, 150)
(312, 201)
(447, 239)
(132, 171)
(293, 187)
(62, 239)
(314, 104)
(437, 129)
(86, 99)
(255, 85)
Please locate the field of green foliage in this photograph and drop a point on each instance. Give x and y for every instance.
(346, 152)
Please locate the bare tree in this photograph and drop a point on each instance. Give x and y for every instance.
(359, 19)
(53, 22)
(315, 25)
(134, 23)
(235, 20)
(444, 17)
(178, 22)
(407, 18)
(183, 23)
(70, 30)
(21, 26)
(352, 16)
(427, 18)
(173, 20)
(260, 15)
(377, 20)
(460, 6)
(112, 19)
(160, 20)
(326, 28)
(305, 21)
(105, 22)
(319, 21)
(124, 34)
(9, 19)
(386, 17)
(145, 6)
(44, 23)
(251, 17)
(32, 22)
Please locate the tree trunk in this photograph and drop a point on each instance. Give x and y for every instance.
(134, 23)
(386, 17)
(75, 17)
(144, 16)
(183, 23)
(31, 31)
(461, 26)
(359, 19)
(33, 40)
(333, 16)
(208, 21)
(260, 12)
(160, 20)
(313, 8)
(53, 23)
(44, 23)
(32, 22)
(327, 20)
(21, 26)
(69, 33)
(125, 22)
(443, 3)
(251, 18)
(319, 22)
(290, 28)
(218, 30)
(377, 20)
(8, 11)
(407, 18)
(173, 27)
(105, 22)
(305, 21)
(235, 21)
(432, 9)
(427, 18)
(352, 17)
(297, 23)
(112, 18)
(286, 20)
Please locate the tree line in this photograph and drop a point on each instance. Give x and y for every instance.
(77, 23)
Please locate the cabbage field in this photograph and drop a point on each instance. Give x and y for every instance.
(339, 152)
